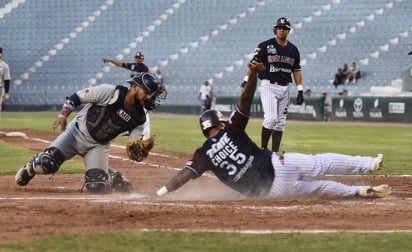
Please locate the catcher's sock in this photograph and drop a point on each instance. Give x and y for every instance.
(276, 138)
(25, 174)
(265, 137)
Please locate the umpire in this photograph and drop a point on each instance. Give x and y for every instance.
(282, 60)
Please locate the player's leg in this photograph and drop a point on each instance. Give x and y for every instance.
(324, 188)
(339, 164)
(292, 183)
(269, 104)
(1, 97)
(288, 169)
(97, 179)
(46, 162)
(280, 122)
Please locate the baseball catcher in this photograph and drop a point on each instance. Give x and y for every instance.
(109, 111)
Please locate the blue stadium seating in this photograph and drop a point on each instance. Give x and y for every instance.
(55, 47)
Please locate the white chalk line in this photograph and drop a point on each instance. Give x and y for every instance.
(274, 231)
(23, 135)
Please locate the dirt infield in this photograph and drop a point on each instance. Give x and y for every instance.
(52, 205)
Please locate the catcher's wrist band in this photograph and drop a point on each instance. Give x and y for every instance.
(299, 87)
(162, 191)
(67, 108)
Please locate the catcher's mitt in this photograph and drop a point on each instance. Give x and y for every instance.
(139, 149)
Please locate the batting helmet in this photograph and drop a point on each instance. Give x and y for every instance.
(282, 22)
(210, 119)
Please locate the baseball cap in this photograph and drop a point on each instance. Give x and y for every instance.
(139, 55)
(282, 22)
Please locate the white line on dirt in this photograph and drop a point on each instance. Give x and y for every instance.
(314, 231)
(23, 135)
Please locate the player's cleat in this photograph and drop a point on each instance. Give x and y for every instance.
(377, 162)
(375, 191)
(25, 174)
(119, 183)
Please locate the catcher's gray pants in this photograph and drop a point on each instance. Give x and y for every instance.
(295, 176)
(73, 142)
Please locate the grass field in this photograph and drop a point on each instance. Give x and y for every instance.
(182, 134)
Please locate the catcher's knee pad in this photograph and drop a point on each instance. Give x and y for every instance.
(97, 181)
(48, 162)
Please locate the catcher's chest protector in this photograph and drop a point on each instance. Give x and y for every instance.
(105, 123)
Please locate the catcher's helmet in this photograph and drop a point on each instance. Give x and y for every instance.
(282, 22)
(210, 119)
(147, 81)
(151, 84)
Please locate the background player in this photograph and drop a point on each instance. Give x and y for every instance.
(282, 59)
(109, 111)
(136, 67)
(4, 80)
(236, 160)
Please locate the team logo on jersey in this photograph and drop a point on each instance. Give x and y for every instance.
(122, 114)
(84, 91)
(271, 49)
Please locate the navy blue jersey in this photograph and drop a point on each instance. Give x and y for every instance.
(136, 68)
(280, 61)
(235, 159)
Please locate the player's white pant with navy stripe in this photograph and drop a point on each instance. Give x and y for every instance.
(275, 101)
(295, 176)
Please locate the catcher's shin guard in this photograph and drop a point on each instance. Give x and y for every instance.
(97, 181)
(119, 182)
(46, 162)
(25, 173)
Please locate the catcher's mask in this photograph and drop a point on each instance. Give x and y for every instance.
(151, 84)
(210, 119)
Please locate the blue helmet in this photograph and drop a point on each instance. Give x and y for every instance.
(147, 81)
(151, 84)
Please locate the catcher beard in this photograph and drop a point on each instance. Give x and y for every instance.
(109, 111)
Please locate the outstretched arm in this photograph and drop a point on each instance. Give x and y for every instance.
(115, 62)
(181, 178)
(246, 97)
